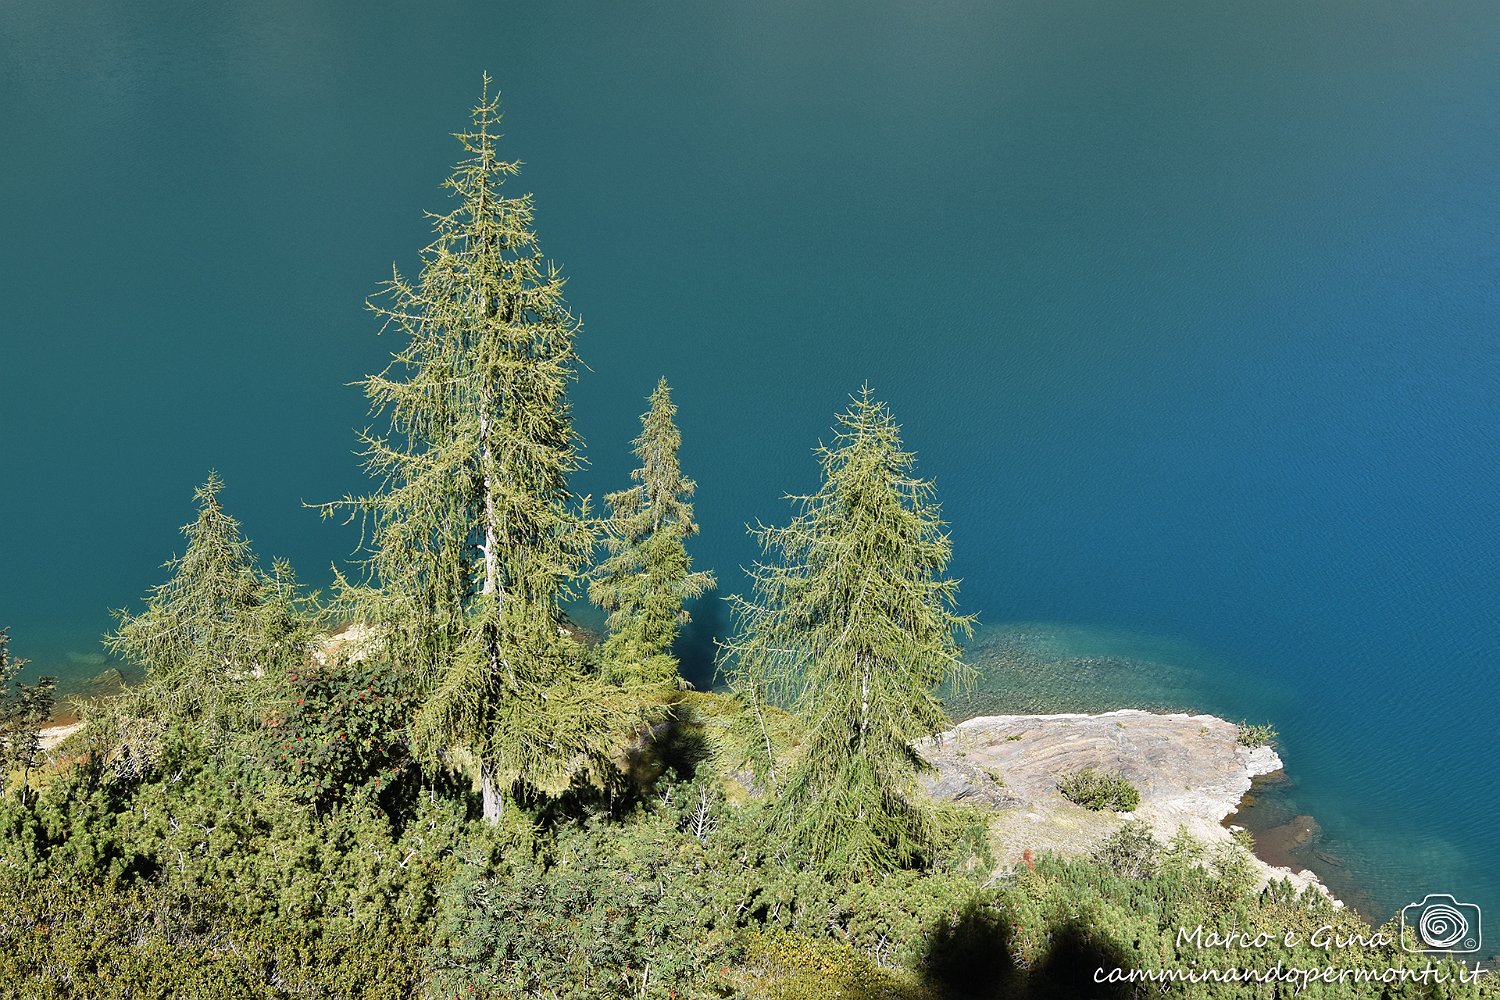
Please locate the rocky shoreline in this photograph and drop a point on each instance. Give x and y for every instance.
(1190, 770)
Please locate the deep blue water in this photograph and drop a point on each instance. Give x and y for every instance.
(1190, 309)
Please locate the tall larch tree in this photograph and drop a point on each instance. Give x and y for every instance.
(200, 636)
(648, 575)
(474, 534)
(852, 625)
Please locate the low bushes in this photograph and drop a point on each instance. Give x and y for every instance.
(1252, 736)
(1099, 790)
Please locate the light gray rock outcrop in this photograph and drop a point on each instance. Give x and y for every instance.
(1190, 770)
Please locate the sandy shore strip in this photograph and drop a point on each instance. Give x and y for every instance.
(54, 735)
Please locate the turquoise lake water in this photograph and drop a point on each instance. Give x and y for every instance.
(1190, 309)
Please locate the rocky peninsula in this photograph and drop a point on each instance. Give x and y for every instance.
(1190, 770)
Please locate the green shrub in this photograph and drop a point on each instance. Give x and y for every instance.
(205, 882)
(1099, 790)
(334, 736)
(643, 908)
(62, 936)
(1067, 918)
(783, 966)
(1132, 851)
(664, 902)
(1262, 735)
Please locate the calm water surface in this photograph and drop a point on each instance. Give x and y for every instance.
(1190, 309)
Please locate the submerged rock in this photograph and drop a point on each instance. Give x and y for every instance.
(107, 682)
(1277, 843)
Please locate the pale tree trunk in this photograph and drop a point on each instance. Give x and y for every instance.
(765, 735)
(490, 548)
(491, 519)
(494, 804)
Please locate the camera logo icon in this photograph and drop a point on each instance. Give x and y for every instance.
(1440, 923)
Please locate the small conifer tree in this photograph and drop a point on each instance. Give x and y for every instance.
(24, 710)
(202, 636)
(648, 575)
(851, 625)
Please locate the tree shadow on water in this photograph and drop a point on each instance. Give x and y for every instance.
(696, 648)
(972, 958)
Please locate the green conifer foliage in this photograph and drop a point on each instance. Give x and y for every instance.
(24, 710)
(474, 534)
(648, 575)
(203, 636)
(851, 624)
